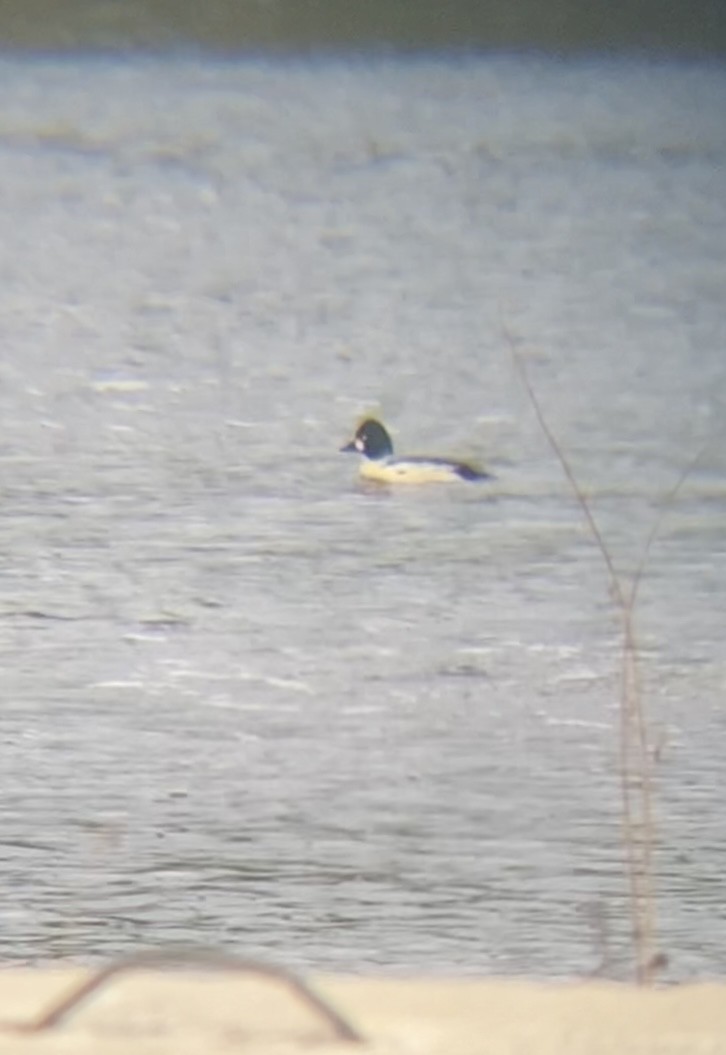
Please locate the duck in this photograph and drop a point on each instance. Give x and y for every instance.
(372, 440)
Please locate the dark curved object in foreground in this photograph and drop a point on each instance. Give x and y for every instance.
(183, 957)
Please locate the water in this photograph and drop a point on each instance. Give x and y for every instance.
(246, 702)
(288, 25)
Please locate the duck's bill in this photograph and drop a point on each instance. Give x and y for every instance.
(349, 447)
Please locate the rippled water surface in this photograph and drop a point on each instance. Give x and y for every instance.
(247, 702)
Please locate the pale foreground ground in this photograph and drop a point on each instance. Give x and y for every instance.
(215, 1013)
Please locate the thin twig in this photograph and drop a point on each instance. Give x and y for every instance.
(635, 756)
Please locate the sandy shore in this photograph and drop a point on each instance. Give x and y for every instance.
(214, 1013)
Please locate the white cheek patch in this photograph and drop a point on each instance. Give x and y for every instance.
(359, 444)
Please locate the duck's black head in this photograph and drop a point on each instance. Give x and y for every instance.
(371, 439)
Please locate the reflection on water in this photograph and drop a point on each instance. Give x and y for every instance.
(246, 702)
(698, 28)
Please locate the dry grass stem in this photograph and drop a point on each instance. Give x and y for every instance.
(636, 755)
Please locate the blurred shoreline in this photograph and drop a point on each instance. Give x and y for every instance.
(693, 30)
(153, 1013)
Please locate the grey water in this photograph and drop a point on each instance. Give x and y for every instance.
(244, 700)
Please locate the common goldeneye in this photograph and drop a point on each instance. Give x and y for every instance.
(373, 442)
